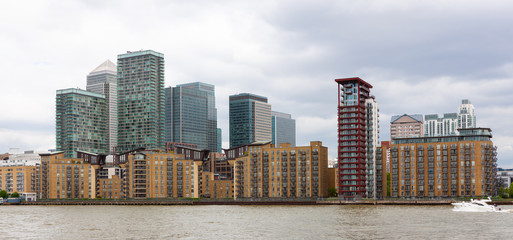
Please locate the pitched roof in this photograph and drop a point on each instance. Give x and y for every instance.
(105, 66)
(416, 117)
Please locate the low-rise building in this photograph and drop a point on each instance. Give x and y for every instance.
(262, 170)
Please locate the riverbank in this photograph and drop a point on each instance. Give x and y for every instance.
(245, 202)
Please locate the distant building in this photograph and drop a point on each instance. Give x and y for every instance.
(466, 116)
(81, 122)
(103, 80)
(449, 124)
(250, 119)
(407, 126)
(140, 100)
(191, 115)
(219, 140)
(444, 166)
(441, 126)
(17, 158)
(284, 128)
(21, 179)
(262, 170)
(505, 177)
(357, 138)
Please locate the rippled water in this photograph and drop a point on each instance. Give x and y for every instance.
(251, 222)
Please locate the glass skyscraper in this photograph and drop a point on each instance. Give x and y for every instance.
(284, 128)
(81, 122)
(103, 80)
(191, 115)
(250, 119)
(140, 100)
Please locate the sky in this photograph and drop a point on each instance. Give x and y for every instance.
(422, 57)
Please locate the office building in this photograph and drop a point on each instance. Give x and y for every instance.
(250, 119)
(262, 170)
(407, 126)
(140, 100)
(466, 116)
(219, 140)
(81, 122)
(444, 166)
(191, 115)
(283, 128)
(103, 80)
(357, 138)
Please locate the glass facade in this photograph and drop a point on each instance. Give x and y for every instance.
(250, 119)
(81, 122)
(284, 128)
(191, 116)
(140, 100)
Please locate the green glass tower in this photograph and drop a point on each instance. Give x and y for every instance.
(140, 100)
(250, 119)
(81, 122)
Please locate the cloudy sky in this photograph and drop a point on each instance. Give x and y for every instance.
(422, 57)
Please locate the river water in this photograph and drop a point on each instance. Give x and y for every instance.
(251, 222)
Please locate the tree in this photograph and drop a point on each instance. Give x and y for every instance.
(332, 192)
(3, 194)
(15, 195)
(388, 184)
(510, 190)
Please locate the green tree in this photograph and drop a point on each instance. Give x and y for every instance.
(3, 194)
(510, 190)
(332, 192)
(15, 195)
(388, 184)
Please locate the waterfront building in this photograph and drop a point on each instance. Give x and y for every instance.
(103, 80)
(156, 174)
(81, 122)
(466, 116)
(262, 170)
(18, 178)
(110, 182)
(214, 187)
(140, 100)
(250, 119)
(357, 138)
(445, 166)
(407, 126)
(283, 128)
(505, 177)
(191, 115)
(65, 178)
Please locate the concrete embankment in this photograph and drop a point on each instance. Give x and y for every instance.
(247, 202)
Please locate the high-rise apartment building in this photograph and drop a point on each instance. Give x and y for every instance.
(441, 126)
(103, 80)
(466, 116)
(250, 119)
(219, 140)
(191, 115)
(449, 124)
(407, 126)
(357, 138)
(140, 100)
(284, 128)
(443, 166)
(81, 122)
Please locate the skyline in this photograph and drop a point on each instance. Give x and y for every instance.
(430, 55)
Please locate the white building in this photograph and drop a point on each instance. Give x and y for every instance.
(17, 158)
(466, 116)
(449, 124)
(372, 142)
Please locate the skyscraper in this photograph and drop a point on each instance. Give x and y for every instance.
(284, 128)
(441, 126)
(357, 138)
(103, 80)
(191, 115)
(81, 122)
(250, 119)
(219, 140)
(466, 116)
(140, 100)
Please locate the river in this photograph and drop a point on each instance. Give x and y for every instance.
(251, 222)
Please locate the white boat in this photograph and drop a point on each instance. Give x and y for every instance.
(479, 205)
